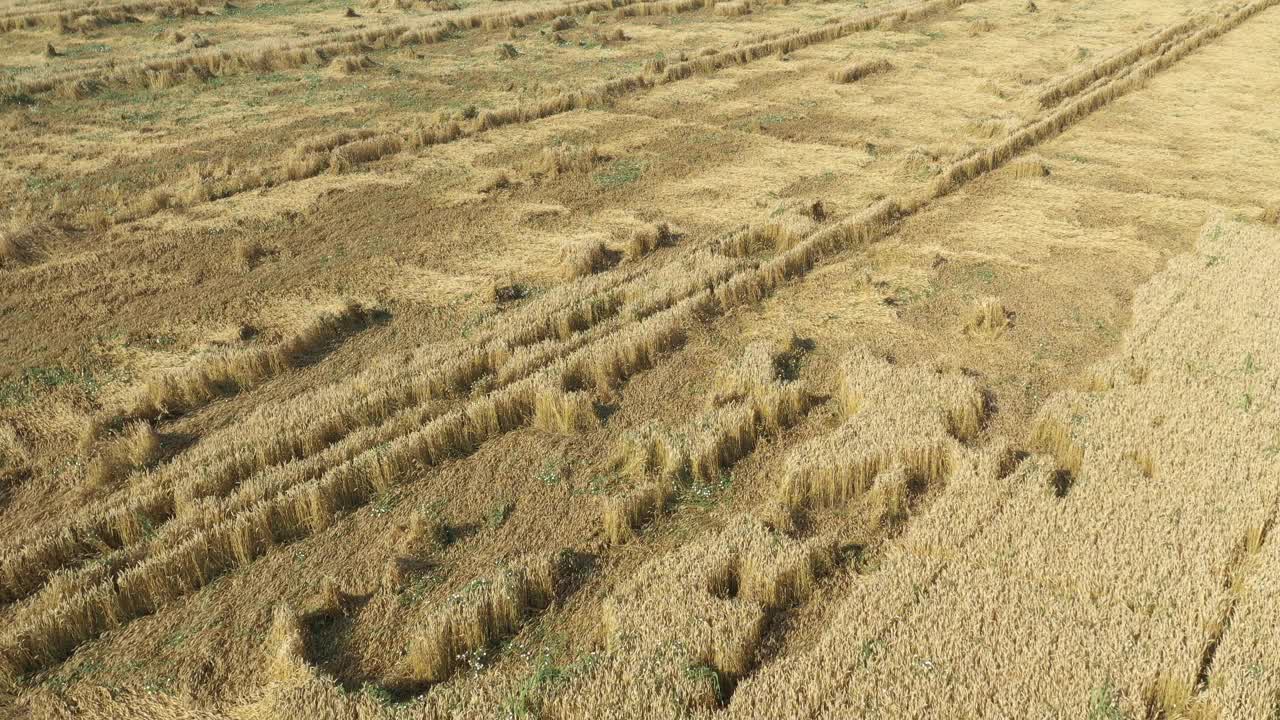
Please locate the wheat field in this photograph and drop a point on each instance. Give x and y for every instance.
(576, 359)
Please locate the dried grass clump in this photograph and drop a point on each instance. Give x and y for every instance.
(1029, 167)
(684, 628)
(1055, 439)
(563, 23)
(184, 390)
(505, 292)
(817, 211)
(83, 23)
(23, 568)
(633, 349)
(919, 162)
(753, 398)
(584, 257)
(329, 598)
(92, 429)
(526, 360)
(23, 243)
(762, 377)
(749, 287)
(481, 613)
(137, 446)
(717, 440)
(498, 180)
(737, 8)
(286, 645)
(14, 453)
(912, 417)
(154, 201)
(327, 143)
(246, 251)
(353, 64)
(622, 515)
(564, 412)
(556, 161)
(769, 237)
(78, 89)
(563, 313)
(195, 41)
(66, 584)
(785, 359)
(979, 26)
(649, 450)
(662, 7)
(424, 529)
(674, 282)
(857, 71)
(646, 239)
(989, 319)
(296, 168)
(359, 152)
(989, 128)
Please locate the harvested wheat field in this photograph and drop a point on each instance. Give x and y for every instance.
(640, 359)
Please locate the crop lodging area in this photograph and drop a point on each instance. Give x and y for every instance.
(639, 359)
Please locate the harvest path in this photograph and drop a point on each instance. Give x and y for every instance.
(447, 435)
